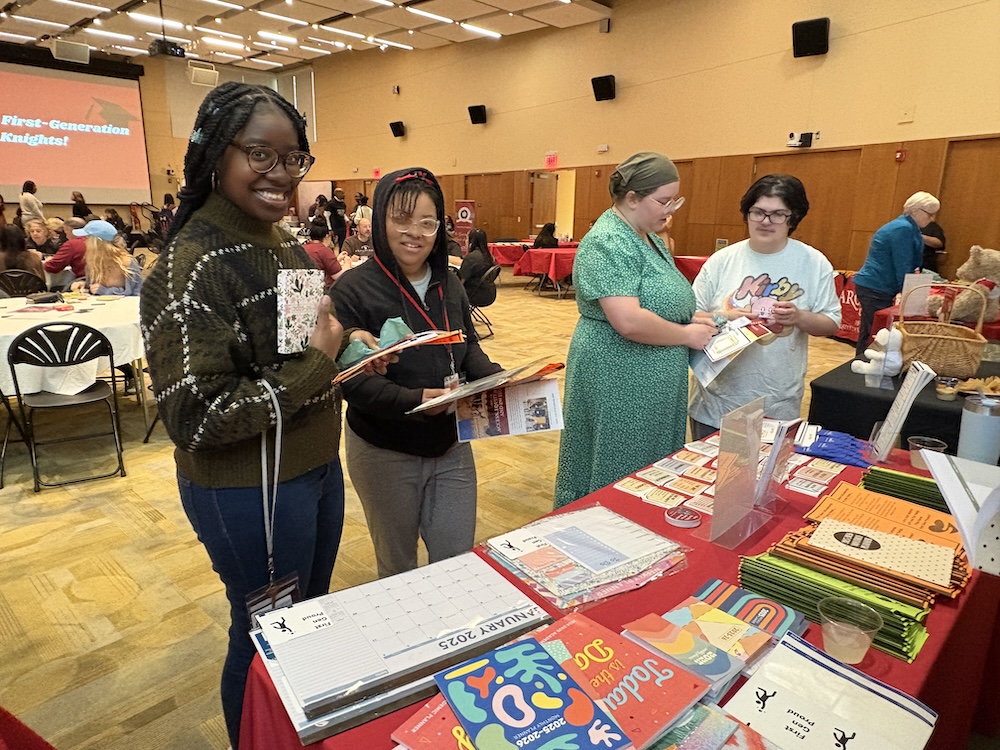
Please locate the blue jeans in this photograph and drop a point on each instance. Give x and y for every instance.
(308, 520)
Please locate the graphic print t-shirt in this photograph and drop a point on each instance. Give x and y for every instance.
(737, 278)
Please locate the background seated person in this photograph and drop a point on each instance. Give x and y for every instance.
(110, 267)
(40, 238)
(360, 245)
(14, 252)
(547, 236)
(71, 253)
(478, 260)
(325, 259)
(111, 217)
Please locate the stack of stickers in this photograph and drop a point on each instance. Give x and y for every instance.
(685, 478)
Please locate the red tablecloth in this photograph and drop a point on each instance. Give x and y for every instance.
(506, 253)
(556, 263)
(689, 265)
(887, 316)
(948, 675)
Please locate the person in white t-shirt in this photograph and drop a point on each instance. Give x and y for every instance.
(781, 281)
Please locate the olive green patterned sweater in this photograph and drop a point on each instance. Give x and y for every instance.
(209, 320)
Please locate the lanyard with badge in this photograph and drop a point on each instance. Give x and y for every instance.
(284, 591)
(453, 379)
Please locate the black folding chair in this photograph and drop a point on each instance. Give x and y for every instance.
(11, 421)
(18, 283)
(482, 292)
(61, 344)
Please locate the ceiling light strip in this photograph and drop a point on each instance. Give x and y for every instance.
(353, 34)
(481, 30)
(376, 40)
(227, 43)
(155, 21)
(432, 16)
(85, 6)
(286, 19)
(216, 32)
(277, 37)
(265, 62)
(317, 50)
(110, 34)
(225, 4)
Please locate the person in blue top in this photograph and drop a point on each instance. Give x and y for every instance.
(896, 249)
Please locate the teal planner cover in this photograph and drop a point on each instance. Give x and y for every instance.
(518, 696)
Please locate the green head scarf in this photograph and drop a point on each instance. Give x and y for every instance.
(643, 172)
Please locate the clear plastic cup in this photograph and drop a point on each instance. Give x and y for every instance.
(918, 443)
(848, 628)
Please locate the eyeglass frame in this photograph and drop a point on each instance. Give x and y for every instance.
(278, 157)
(412, 224)
(672, 205)
(769, 215)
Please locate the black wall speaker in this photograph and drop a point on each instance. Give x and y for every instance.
(811, 37)
(604, 88)
(397, 128)
(477, 113)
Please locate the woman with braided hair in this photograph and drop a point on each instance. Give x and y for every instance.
(241, 414)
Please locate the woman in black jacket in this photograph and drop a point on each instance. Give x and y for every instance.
(412, 475)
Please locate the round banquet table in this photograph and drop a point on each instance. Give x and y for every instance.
(117, 319)
(506, 253)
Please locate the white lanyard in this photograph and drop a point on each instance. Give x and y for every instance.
(270, 503)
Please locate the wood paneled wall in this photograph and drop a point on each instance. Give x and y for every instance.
(852, 192)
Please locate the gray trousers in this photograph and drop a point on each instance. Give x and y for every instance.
(404, 496)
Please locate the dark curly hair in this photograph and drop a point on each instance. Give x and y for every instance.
(223, 113)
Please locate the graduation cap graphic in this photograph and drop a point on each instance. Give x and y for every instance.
(111, 113)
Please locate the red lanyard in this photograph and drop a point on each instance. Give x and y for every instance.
(420, 308)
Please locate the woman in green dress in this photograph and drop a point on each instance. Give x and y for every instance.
(626, 375)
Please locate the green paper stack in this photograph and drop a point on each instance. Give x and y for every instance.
(796, 586)
(920, 490)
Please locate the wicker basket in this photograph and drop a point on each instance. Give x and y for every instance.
(953, 351)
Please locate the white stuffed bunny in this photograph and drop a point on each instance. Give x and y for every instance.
(885, 362)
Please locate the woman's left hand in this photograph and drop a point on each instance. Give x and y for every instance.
(785, 313)
(376, 366)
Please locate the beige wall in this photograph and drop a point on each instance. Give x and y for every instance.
(695, 78)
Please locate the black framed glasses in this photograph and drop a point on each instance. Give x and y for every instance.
(775, 217)
(426, 227)
(262, 159)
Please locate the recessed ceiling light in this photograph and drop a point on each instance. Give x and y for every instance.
(265, 62)
(385, 2)
(270, 46)
(317, 50)
(432, 16)
(133, 50)
(226, 55)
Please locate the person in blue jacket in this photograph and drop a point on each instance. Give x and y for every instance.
(896, 249)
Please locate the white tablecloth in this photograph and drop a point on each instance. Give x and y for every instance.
(117, 319)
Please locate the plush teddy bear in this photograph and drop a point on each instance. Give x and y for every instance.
(885, 362)
(983, 269)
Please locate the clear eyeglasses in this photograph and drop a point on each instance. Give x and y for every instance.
(262, 159)
(426, 227)
(671, 205)
(775, 217)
